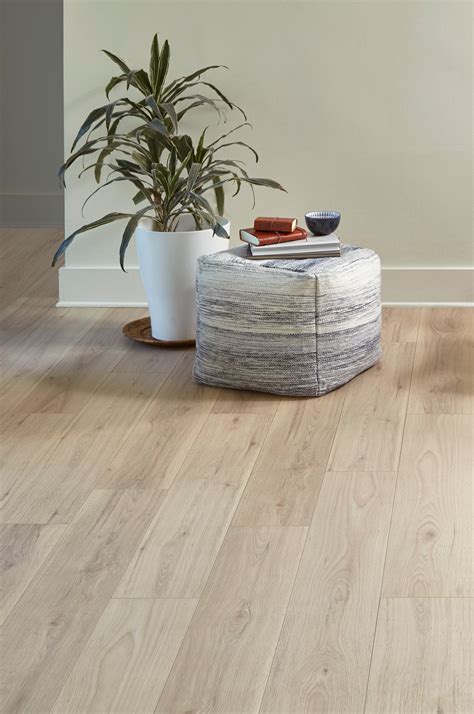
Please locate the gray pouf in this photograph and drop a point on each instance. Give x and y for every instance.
(295, 327)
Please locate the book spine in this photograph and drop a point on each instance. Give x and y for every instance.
(283, 225)
(277, 237)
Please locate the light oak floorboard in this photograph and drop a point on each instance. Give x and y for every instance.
(284, 485)
(452, 323)
(23, 549)
(27, 255)
(180, 547)
(53, 490)
(26, 360)
(431, 545)
(165, 432)
(227, 652)
(323, 655)
(400, 324)
(443, 377)
(370, 430)
(126, 662)
(47, 630)
(83, 407)
(69, 384)
(239, 401)
(423, 657)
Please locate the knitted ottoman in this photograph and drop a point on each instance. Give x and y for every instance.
(295, 327)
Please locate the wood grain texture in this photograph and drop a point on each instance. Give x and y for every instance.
(284, 486)
(323, 655)
(443, 377)
(23, 549)
(423, 661)
(263, 628)
(226, 655)
(126, 662)
(54, 489)
(180, 547)
(400, 324)
(370, 430)
(49, 627)
(431, 546)
(450, 323)
(239, 401)
(69, 384)
(48, 342)
(165, 432)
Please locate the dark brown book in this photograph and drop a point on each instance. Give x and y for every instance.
(250, 235)
(282, 225)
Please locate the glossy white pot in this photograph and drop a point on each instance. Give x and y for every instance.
(168, 271)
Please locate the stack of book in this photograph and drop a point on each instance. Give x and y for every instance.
(281, 238)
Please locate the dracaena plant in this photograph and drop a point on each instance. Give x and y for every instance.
(170, 172)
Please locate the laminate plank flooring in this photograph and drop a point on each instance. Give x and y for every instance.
(170, 547)
(423, 661)
(323, 656)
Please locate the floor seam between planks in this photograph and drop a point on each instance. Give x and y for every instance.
(391, 522)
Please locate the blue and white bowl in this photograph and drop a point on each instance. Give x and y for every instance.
(322, 223)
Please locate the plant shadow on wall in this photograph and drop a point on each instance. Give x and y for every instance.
(170, 172)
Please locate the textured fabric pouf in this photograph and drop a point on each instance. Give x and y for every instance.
(296, 327)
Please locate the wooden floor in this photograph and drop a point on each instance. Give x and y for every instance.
(168, 547)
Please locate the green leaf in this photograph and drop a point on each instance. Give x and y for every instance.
(109, 218)
(184, 146)
(128, 233)
(201, 151)
(230, 104)
(159, 126)
(152, 103)
(139, 197)
(193, 175)
(100, 162)
(269, 183)
(220, 196)
(202, 201)
(136, 182)
(94, 115)
(201, 100)
(123, 66)
(114, 82)
(172, 161)
(238, 143)
(171, 112)
(174, 87)
(223, 136)
(220, 230)
(154, 60)
(139, 78)
(163, 67)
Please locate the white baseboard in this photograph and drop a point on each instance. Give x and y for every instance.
(111, 287)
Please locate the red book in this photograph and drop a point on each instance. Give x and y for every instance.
(250, 235)
(283, 225)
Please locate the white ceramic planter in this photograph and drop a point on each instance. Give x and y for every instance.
(168, 271)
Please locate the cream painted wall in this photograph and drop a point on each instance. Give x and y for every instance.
(363, 107)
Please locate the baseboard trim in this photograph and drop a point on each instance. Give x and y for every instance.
(410, 287)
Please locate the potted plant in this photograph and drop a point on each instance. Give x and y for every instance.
(172, 175)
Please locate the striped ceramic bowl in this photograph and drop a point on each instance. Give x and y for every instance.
(322, 223)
